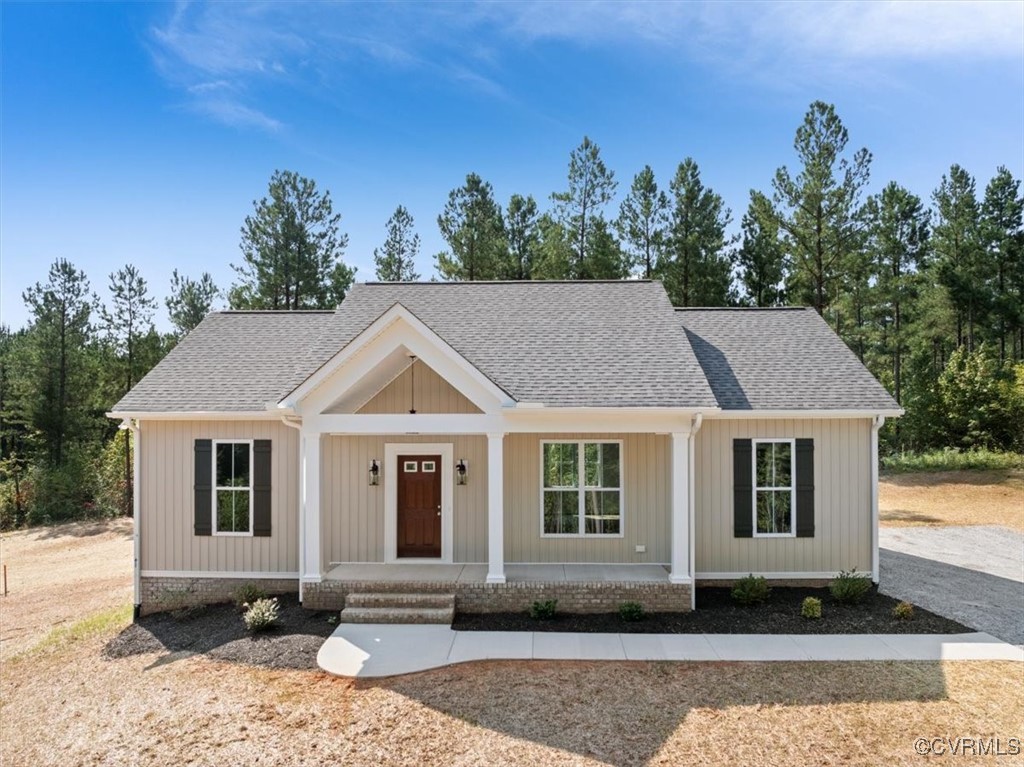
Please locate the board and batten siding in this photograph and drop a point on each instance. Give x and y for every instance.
(646, 497)
(167, 500)
(352, 511)
(842, 499)
(433, 395)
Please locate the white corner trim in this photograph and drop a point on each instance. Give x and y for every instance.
(795, 576)
(390, 470)
(877, 424)
(226, 574)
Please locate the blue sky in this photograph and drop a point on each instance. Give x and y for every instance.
(143, 132)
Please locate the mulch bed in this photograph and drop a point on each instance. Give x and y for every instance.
(217, 631)
(717, 613)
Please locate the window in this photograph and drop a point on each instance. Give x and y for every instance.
(409, 466)
(232, 471)
(581, 488)
(428, 466)
(774, 471)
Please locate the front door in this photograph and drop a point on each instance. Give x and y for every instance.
(419, 506)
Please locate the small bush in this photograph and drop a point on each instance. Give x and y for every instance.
(751, 589)
(260, 615)
(811, 608)
(632, 611)
(850, 587)
(247, 594)
(903, 611)
(543, 611)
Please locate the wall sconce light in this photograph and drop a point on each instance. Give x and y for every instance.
(461, 472)
(374, 473)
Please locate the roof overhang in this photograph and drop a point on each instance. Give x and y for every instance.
(817, 413)
(381, 352)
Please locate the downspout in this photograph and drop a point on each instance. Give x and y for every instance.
(297, 425)
(692, 511)
(876, 424)
(135, 427)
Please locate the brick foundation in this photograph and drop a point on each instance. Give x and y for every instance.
(160, 594)
(516, 596)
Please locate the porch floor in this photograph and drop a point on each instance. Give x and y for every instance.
(442, 573)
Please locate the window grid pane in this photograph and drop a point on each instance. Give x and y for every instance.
(581, 471)
(232, 488)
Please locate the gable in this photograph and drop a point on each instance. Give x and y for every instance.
(417, 386)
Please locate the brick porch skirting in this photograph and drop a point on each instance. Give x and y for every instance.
(160, 594)
(517, 596)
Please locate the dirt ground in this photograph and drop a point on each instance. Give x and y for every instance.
(953, 498)
(59, 575)
(69, 705)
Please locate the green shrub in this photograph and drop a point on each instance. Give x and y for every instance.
(811, 608)
(850, 587)
(247, 594)
(260, 615)
(751, 589)
(632, 611)
(543, 611)
(903, 611)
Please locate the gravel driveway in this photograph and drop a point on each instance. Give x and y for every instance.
(974, 575)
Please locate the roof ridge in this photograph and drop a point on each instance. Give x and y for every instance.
(741, 308)
(276, 312)
(507, 282)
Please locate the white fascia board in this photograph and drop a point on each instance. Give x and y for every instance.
(421, 341)
(752, 414)
(199, 415)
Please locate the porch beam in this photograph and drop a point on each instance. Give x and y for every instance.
(495, 508)
(680, 572)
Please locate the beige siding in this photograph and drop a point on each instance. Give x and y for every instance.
(167, 498)
(433, 395)
(352, 512)
(842, 499)
(645, 504)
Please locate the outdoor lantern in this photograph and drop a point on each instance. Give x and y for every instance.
(374, 472)
(460, 472)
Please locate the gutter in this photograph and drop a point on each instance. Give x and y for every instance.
(697, 421)
(136, 429)
(877, 422)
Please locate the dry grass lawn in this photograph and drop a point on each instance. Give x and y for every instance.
(953, 498)
(66, 705)
(59, 575)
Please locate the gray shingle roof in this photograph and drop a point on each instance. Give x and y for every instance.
(232, 361)
(779, 359)
(566, 344)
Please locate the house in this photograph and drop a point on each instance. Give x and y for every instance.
(503, 442)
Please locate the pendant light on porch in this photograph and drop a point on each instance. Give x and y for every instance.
(412, 388)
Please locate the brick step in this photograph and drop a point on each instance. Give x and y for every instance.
(398, 615)
(386, 599)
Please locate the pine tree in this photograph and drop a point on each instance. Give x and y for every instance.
(696, 265)
(473, 227)
(523, 234)
(396, 259)
(818, 210)
(189, 301)
(591, 188)
(643, 217)
(760, 258)
(292, 250)
(1002, 212)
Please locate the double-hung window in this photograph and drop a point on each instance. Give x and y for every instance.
(232, 471)
(774, 487)
(581, 488)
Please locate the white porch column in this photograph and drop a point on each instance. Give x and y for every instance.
(309, 515)
(495, 508)
(680, 508)
(876, 424)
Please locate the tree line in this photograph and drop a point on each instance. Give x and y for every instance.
(928, 293)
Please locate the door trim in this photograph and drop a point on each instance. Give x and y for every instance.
(390, 469)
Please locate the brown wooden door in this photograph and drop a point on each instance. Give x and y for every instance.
(419, 505)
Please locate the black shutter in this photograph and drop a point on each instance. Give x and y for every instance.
(805, 488)
(261, 487)
(742, 489)
(204, 486)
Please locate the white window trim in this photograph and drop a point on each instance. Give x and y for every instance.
(216, 487)
(791, 488)
(582, 489)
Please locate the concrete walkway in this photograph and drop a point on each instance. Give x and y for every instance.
(367, 651)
